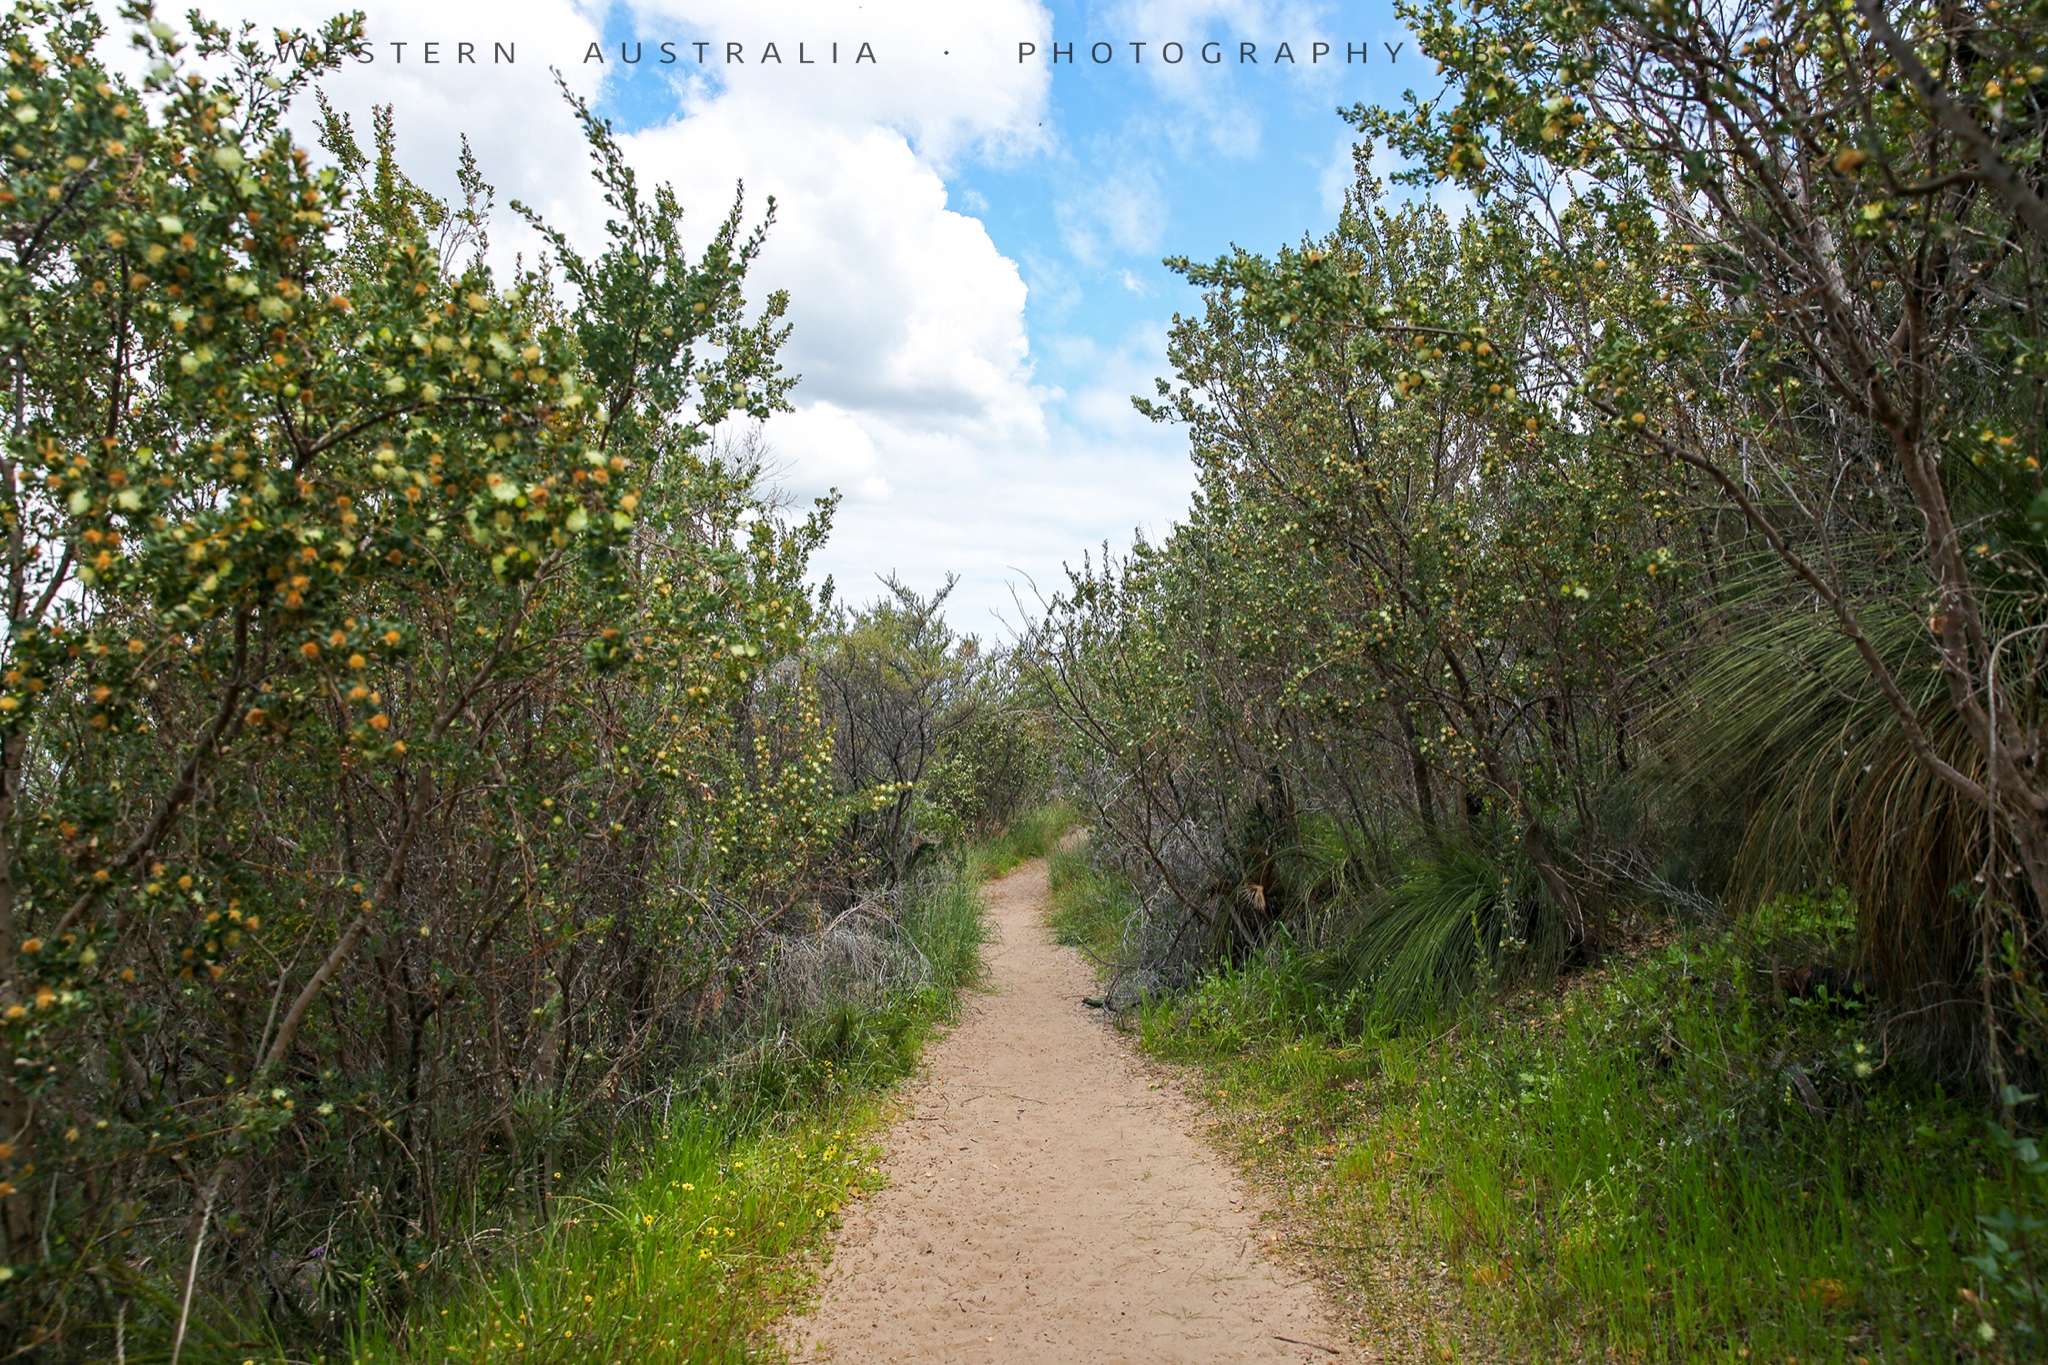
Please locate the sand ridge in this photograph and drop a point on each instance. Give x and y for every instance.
(1048, 1200)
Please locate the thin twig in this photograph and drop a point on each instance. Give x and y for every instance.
(192, 1264)
(1312, 1345)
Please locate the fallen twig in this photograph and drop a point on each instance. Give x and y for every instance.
(1313, 1345)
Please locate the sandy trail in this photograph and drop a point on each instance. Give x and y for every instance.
(1048, 1201)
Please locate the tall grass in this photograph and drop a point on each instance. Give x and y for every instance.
(1033, 834)
(688, 1259)
(1460, 917)
(1458, 920)
(1666, 1160)
(1642, 1167)
(1090, 907)
(694, 1238)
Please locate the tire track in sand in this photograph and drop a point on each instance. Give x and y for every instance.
(1046, 1203)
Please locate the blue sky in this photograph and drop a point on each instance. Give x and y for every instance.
(1261, 164)
(972, 244)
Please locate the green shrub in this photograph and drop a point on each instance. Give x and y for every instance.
(690, 1240)
(1675, 1159)
(397, 779)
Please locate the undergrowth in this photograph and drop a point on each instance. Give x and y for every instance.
(1032, 835)
(698, 1233)
(1089, 905)
(686, 1259)
(1677, 1157)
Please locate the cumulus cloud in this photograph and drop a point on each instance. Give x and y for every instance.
(822, 445)
(918, 401)
(900, 305)
(908, 322)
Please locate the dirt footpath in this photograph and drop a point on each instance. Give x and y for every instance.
(1048, 1203)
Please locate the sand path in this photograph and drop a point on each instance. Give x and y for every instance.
(1048, 1200)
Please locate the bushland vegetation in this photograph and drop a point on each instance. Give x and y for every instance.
(424, 770)
(1654, 544)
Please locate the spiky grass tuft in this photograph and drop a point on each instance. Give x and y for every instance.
(1826, 791)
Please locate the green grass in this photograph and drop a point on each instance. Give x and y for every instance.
(701, 1234)
(689, 1258)
(1033, 835)
(1089, 906)
(1625, 1166)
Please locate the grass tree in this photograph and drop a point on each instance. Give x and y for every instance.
(1836, 333)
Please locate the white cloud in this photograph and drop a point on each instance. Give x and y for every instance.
(900, 305)
(945, 75)
(908, 330)
(822, 445)
(525, 139)
(918, 400)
